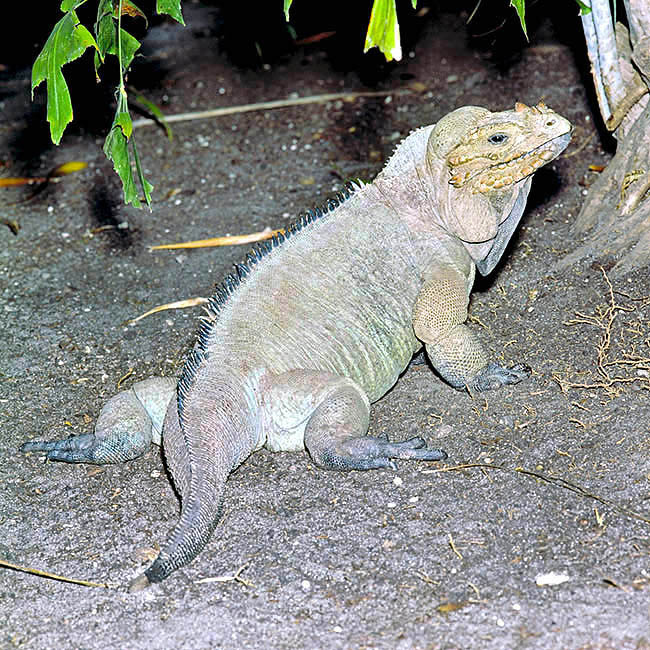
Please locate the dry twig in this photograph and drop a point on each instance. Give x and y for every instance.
(614, 368)
(270, 105)
(235, 577)
(557, 481)
(54, 576)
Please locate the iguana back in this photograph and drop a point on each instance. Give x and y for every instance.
(326, 297)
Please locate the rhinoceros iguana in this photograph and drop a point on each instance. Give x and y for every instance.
(319, 323)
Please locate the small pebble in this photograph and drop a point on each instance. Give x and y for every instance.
(551, 579)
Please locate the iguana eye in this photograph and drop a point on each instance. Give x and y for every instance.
(497, 138)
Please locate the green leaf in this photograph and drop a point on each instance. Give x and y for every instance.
(584, 9)
(383, 30)
(130, 46)
(414, 4)
(123, 120)
(105, 29)
(67, 42)
(116, 148)
(171, 8)
(520, 8)
(71, 5)
(287, 6)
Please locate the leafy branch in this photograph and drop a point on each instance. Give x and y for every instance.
(70, 39)
(67, 42)
(383, 28)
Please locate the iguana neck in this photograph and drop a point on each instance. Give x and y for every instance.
(406, 185)
(411, 180)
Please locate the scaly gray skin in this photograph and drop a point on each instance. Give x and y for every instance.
(319, 323)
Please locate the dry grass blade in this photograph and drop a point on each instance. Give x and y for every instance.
(54, 576)
(179, 304)
(123, 378)
(227, 240)
(12, 224)
(452, 545)
(41, 182)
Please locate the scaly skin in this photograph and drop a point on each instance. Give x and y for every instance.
(314, 329)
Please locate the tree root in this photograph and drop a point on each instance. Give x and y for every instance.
(622, 352)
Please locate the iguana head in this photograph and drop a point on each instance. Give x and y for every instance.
(486, 152)
(487, 160)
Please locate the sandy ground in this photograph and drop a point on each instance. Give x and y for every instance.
(418, 558)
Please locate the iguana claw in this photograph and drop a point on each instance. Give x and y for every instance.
(368, 452)
(494, 376)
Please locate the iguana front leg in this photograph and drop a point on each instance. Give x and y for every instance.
(439, 317)
(127, 425)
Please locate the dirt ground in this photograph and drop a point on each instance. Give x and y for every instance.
(430, 556)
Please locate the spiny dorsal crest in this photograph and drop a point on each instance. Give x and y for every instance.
(229, 285)
(194, 359)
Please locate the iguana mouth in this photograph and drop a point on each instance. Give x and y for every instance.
(540, 155)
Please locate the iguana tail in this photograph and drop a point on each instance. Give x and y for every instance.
(205, 439)
(198, 520)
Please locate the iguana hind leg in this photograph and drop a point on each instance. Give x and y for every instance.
(127, 425)
(335, 433)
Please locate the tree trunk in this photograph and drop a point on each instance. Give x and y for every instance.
(616, 212)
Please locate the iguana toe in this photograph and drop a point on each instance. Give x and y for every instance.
(77, 449)
(414, 449)
(493, 376)
(372, 453)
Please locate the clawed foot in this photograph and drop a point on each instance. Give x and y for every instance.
(374, 453)
(124, 428)
(113, 445)
(77, 449)
(493, 376)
